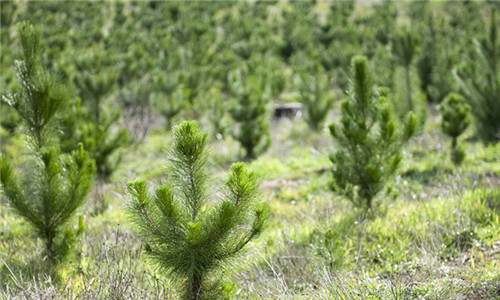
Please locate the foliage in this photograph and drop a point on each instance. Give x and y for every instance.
(337, 55)
(218, 117)
(369, 140)
(170, 107)
(318, 246)
(315, 98)
(438, 56)
(479, 80)
(9, 120)
(187, 235)
(137, 108)
(97, 120)
(53, 185)
(404, 47)
(249, 112)
(456, 118)
(294, 41)
(386, 14)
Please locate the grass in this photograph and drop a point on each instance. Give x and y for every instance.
(436, 236)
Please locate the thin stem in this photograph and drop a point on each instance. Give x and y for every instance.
(194, 289)
(408, 88)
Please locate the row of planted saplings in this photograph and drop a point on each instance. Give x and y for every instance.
(183, 235)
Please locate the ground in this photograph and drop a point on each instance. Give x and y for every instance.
(435, 236)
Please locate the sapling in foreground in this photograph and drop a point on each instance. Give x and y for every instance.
(52, 185)
(369, 140)
(189, 234)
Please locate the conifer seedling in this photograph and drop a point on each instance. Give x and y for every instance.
(170, 107)
(315, 98)
(98, 128)
(404, 46)
(369, 140)
(456, 118)
(52, 186)
(250, 113)
(190, 235)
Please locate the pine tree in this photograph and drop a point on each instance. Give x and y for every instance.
(187, 234)
(404, 47)
(434, 64)
(54, 185)
(100, 133)
(250, 113)
(385, 14)
(369, 140)
(269, 70)
(136, 102)
(217, 114)
(170, 107)
(479, 80)
(456, 118)
(315, 98)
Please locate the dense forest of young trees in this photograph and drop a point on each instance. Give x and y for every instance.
(89, 89)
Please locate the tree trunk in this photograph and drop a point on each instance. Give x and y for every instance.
(408, 88)
(454, 151)
(369, 203)
(193, 291)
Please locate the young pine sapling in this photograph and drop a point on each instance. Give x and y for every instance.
(456, 118)
(404, 47)
(479, 80)
(316, 99)
(250, 113)
(53, 185)
(369, 140)
(187, 233)
(99, 130)
(170, 106)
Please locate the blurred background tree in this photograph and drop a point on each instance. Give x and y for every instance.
(456, 118)
(479, 79)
